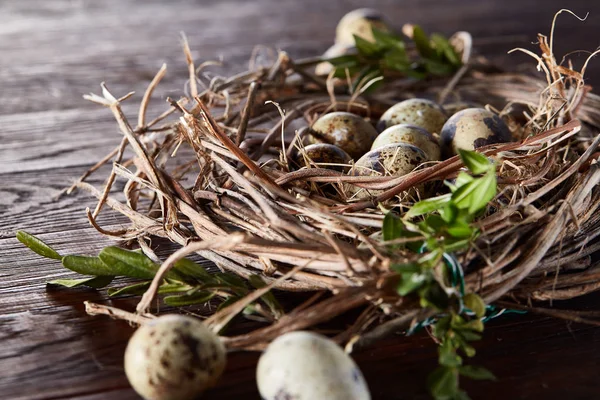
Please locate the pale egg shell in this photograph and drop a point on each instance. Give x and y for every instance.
(360, 23)
(337, 50)
(472, 128)
(395, 159)
(420, 112)
(173, 357)
(308, 366)
(324, 155)
(453, 108)
(411, 134)
(348, 131)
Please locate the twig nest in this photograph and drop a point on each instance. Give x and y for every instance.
(420, 112)
(173, 357)
(348, 131)
(337, 50)
(307, 366)
(411, 134)
(472, 128)
(453, 108)
(395, 159)
(324, 155)
(360, 23)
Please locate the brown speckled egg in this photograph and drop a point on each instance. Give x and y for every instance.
(360, 23)
(324, 155)
(173, 357)
(337, 50)
(396, 159)
(472, 128)
(453, 108)
(410, 134)
(348, 131)
(308, 366)
(420, 112)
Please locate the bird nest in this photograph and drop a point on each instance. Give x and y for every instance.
(222, 180)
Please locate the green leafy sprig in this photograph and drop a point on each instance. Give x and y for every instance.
(436, 277)
(188, 283)
(387, 54)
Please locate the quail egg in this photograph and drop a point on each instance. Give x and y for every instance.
(360, 23)
(173, 357)
(337, 50)
(324, 155)
(395, 159)
(472, 128)
(307, 366)
(420, 112)
(410, 134)
(348, 131)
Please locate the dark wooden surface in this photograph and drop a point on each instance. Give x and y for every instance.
(54, 51)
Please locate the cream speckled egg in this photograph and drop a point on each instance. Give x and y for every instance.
(348, 131)
(410, 134)
(453, 108)
(360, 23)
(173, 357)
(395, 159)
(420, 112)
(324, 155)
(308, 366)
(472, 128)
(337, 50)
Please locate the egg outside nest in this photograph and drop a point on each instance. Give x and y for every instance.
(174, 357)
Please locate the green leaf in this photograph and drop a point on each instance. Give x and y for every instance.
(387, 39)
(441, 327)
(460, 229)
(95, 282)
(231, 280)
(37, 246)
(447, 355)
(475, 303)
(393, 228)
(135, 289)
(436, 67)
(428, 205)
(475, 195)
(449, 213)
(269, 298)
(477, 373)
(443, 383)
(445, 49)
(366, 48)
(133, 264)
(422, 42)
(227, 302)
(87, 266)
(476, 162)
(197, 297)
(195, 270)
(410, 282)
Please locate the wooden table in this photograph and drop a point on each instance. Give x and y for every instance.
(52, 52)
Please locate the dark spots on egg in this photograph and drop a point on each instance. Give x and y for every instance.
(500, 132)
(356, 375)
(193, 346)
(381, 126)
(165, 363)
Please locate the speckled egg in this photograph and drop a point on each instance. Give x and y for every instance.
(472, 128)
(308, 366)
(410, 134)
(348, 131)
(420, 112)
(337, 50)
(173, 357)
(324, 155)
(360, 23)
(396, 159)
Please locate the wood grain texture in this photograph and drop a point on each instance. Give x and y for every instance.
(52, 52)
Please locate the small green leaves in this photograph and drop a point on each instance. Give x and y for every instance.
(268, 298)
(475, 303)
(477, 373)
(393, 227)
(191, 298)
(96, 282)
(129, 263)
(365, 47)
(37, 245)
(428, 205)
(475, 195)
(192, 269)
(443, 383)
(87, 266)
(476, 162)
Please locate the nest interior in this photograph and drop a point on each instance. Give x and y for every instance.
(215, 174)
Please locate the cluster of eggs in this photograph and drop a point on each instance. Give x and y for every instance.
(409, 134)
(175, 357)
